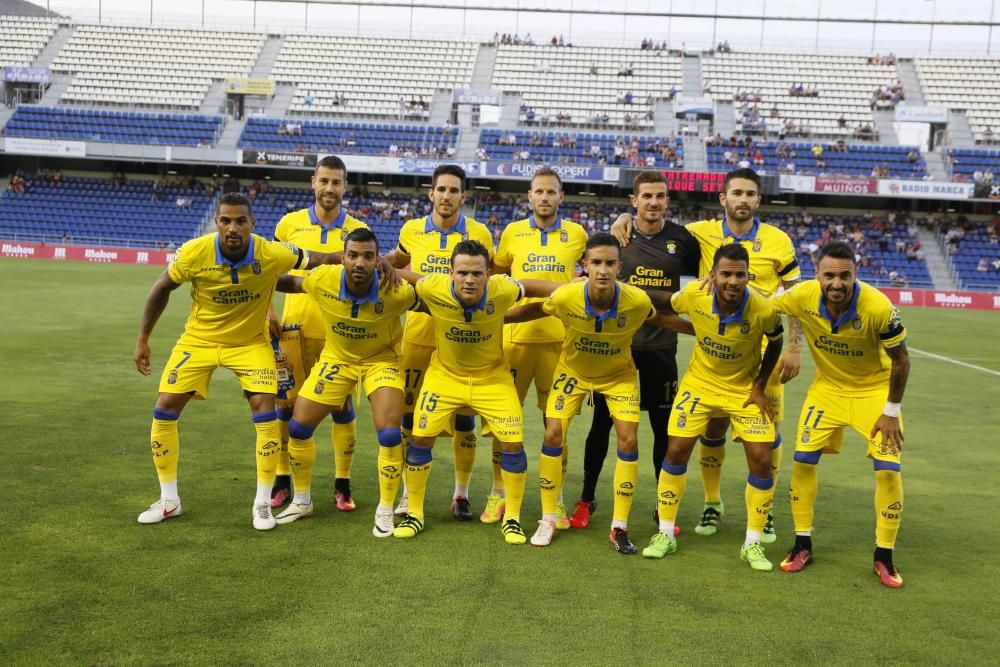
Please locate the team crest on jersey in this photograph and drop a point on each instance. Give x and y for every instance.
(256, 267)
(379, 307)
(490, 307)
(560, 402)
(318, 389)
(563, 236)
(682, 419)
(621, 321)
(806, 434)
(671, 247)
(423, 421)
(856, 324)
(172, 378)
(745, 327)
(756, 246)
(343, 235)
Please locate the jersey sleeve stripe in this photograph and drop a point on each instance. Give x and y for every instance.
(788, 269)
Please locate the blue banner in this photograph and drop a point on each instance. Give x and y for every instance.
(415, 165)
(567, 172)
(27, 74)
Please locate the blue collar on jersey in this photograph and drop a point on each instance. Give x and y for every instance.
(234, 267)
(324, 230)
(847, 315)
(468, 311)
(345, 294)
(611, 313)
(557, 225)
(459, 227)
(749, 236)
(735, 317)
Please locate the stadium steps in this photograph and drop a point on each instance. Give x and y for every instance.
(207, 225)
(725, 118)
(283, 94)
(510, 111)
(57, 86)
(691, 75)
(885, 125)
(440, 107)
(695, 155)
(468, 142)
(53, 48)
(482, 71)
(959, 130)
(5, 114)
(215, 99)
(231, 133)
(906, 72)
(937, 265)
(936, 165)
(663, 117)
(267, 57)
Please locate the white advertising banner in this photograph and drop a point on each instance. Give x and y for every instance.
(31, 146)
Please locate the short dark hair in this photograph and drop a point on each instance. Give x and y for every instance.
(647, 176)
(744, 172)
(837, 250)
(331, 162)
(733, 251)
(546, 171)
(234, 199)
(470, 248)
(361, 235)
(450, 170)
(600, 239)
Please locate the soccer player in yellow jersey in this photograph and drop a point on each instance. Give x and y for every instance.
(544, 247)
(232, 274)
(772, 266)
(468, 370)
(363, 332)
(857, 341)
(321, 227)
(600, 316)
(426, 245)
(726, 377)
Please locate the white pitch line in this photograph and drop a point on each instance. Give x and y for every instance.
(954, 361)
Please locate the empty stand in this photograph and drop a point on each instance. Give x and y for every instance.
(22, 38)
(347, 137)
(845, 85)
(969, 84)
(152, 66)
(367, 76)
(558, 80)
(103, 125)
(972, 250)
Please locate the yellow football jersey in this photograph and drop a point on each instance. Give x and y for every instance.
(772, 256)
(304, 229)
(540, 254)
(229, 301)
(598, 345)
(468, 339)
(429, 249)
(850, 352)
(729, 351)
(365, 329)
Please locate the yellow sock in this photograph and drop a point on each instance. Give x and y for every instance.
(803, 490)
(776, 460)
(390, 465)
(550, 477)
(514, 469)
(284, 415)
(165, 445)
(565, 462)
(498, 478)
(268, 446)
(888, 505)
(670, 491)
(302, 458)
(711, 455)
(626, 475)
(344, 435)
(759, 497)
(464, 448)
(418, 470)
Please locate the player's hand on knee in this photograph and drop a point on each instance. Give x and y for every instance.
(789, 365)
(141, 357)
(759, 398)
(892, 434)
(621, 229)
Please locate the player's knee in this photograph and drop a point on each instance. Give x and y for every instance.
(715, 431)
(516, 461)
(343, 416)
(389, 437)
(811, 458)
(300, 431)
(553, 435)
(888, 466)
(165, 415)
(418, 455)
(465, 423)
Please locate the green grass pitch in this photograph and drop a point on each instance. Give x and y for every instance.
(84, 583)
